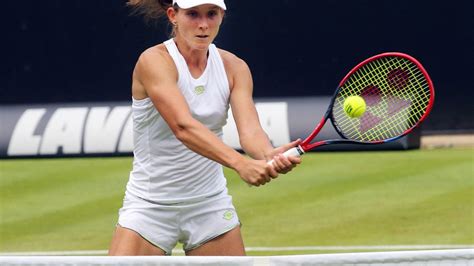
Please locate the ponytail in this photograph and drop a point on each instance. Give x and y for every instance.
(151, 10)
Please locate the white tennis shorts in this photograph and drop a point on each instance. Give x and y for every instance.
(191, 223)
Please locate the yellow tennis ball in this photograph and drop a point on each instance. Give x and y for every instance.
(354, 106)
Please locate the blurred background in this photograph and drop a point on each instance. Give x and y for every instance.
(79, 51)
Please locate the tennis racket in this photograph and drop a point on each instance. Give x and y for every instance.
(398, 95)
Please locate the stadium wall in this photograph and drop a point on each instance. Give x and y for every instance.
(106, 129)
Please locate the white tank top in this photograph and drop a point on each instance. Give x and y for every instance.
(164, 170)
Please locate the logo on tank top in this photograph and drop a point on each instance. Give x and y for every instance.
(199, 90)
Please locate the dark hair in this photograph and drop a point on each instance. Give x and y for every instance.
(151, 10)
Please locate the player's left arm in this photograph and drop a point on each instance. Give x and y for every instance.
(253, 139)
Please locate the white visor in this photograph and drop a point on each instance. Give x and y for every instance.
(192, 3)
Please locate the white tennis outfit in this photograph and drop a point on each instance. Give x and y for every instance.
(174, 194)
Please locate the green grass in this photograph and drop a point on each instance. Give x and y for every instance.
(344, 198)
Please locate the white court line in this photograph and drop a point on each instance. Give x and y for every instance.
(255, 249)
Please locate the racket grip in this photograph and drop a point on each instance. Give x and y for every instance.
(295, 151)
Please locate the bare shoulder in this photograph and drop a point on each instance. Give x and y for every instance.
(154, 66)
(154, 58)
(232, 63)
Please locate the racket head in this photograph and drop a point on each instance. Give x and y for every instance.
(398, 93)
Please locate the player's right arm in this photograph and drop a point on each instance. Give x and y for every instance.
(155, 76)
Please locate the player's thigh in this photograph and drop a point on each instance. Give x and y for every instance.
(126, 242)
(227, 244)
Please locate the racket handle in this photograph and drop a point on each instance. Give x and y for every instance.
(295, 151)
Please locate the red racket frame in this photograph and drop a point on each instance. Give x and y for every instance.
(306, 144)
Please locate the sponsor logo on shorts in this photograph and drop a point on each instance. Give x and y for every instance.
(228, 215)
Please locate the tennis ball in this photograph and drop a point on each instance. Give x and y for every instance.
(354, 106)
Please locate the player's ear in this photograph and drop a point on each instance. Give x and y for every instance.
(171, 13)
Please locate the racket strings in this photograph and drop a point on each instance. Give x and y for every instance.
(390, 100)
(397, 96)
(371, 121)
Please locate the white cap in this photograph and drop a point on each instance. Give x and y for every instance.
(192, 3)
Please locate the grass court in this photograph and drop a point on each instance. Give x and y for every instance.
(417, 197)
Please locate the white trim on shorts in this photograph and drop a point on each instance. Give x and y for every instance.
(211, 238)
(148, 240)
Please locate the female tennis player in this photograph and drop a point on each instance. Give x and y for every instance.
(181, 92)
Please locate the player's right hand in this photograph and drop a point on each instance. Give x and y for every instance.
(256, 172)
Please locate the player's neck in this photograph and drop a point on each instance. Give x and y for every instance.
(196, 58)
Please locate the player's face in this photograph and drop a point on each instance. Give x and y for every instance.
(199, 25)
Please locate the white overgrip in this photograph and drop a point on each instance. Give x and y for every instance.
(295, 151)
